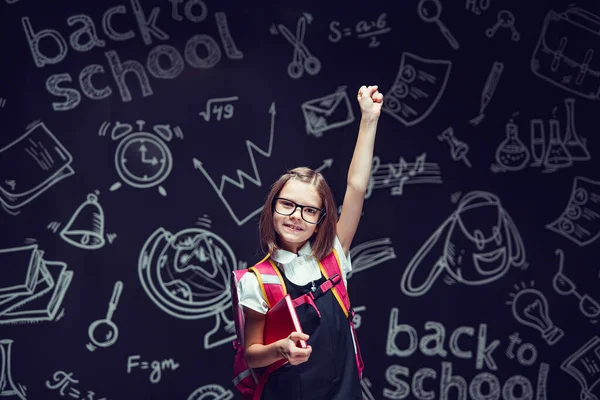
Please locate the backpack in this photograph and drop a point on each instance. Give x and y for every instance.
(250, 381)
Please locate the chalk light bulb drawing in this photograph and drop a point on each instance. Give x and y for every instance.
(530, 307)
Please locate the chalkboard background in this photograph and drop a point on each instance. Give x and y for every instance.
(139, 139)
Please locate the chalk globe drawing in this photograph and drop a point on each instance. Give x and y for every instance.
(143, 160)
(187, 275)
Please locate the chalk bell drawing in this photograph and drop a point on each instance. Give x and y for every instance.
(85, 229)
(45, 159)
(567, 51)
(327, 112)
(580, 220)
(530, 307)
(186, 274)
(476, 245)
(417, 89)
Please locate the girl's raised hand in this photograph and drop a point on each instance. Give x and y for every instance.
(370, 100)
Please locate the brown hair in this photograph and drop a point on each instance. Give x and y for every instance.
(322, 240)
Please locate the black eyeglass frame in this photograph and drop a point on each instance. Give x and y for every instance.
(296, 206)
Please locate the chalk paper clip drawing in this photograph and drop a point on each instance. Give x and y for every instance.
(254, 178)
(511, 154)
(584, 367)
(104, 332)
(211, 392)
(327, 112)
(458, 148)
(565, 286)
(580, 220)
(32, 289)
(186, 275)
(142, 160)
(476, 245)
(417, 89)
(302, 59)
(430, 11)
(31, 165)
(8, 389)
(530, 308)
(85, 228)
(395, 176)
(369, 254)
(505, 19)
(565, 51)
(489, 88)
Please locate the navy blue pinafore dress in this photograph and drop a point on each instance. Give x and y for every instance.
(331, 372)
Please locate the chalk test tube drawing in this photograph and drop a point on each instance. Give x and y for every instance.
(458, 148)
(530, 308)
(417, 89)
(430, 11)
(327, 112)
(32, 289)
(142, 160)
(489, 88)
(302, 59)
(565, 51)
(186, 275)
(505, 19)
(580, 220)
(370, 253)
(215, 106)
(42, 156)
(584, 367)
(8, 389)
(211, 392)
(476, 245)
(104, 332)
(395, 176)
(255, 179)
(565, 286)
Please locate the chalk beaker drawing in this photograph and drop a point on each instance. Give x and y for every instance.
(512, 154)
(538, 141)
(557, 155)
(576, 148)
(8, 389)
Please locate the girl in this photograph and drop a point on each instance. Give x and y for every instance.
(299, 226)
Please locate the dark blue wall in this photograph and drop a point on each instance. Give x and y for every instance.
(138, 140)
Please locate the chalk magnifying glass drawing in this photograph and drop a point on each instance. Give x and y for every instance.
(104, 332)
(430, 11)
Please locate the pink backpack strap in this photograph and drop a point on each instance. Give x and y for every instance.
(270, 280)
(330, 266)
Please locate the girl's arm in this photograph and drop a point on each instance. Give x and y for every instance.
(260, 355)
(359, 173)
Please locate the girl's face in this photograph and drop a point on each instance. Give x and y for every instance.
(292, 229)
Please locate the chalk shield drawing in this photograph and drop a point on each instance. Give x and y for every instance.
(186, 274)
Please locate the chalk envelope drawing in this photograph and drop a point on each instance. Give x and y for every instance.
(45, 159)
(186, 275)
(580, 220)
(566, 54)
(417, 89)
(476, 245)
(327, 112)
(32, 289)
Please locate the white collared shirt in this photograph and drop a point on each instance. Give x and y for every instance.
(300, 269)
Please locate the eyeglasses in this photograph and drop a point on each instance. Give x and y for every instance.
(310, 214)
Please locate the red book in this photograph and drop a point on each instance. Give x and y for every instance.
(281, 320)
